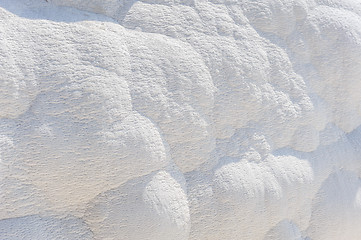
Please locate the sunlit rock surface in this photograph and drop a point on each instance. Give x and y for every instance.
(180, 119)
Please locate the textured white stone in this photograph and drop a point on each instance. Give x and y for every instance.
(180, 119)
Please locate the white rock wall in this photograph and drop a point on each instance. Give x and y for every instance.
(180, 119)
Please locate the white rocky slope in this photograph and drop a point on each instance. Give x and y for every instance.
(180, 119)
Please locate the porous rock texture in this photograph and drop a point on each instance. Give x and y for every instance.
(180, 119)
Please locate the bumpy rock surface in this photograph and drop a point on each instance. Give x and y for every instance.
(180, 119)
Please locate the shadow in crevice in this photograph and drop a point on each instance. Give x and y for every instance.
(122, 12)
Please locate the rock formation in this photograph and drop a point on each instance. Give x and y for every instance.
(180, 119)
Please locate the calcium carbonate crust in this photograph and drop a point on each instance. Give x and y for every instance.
(180, 119)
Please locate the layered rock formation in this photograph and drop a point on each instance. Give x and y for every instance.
(180, 119)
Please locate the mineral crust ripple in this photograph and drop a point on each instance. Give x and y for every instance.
(180, 119)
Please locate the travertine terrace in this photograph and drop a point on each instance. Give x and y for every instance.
(180, 119)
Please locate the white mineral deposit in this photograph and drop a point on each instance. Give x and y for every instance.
(180, 119)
